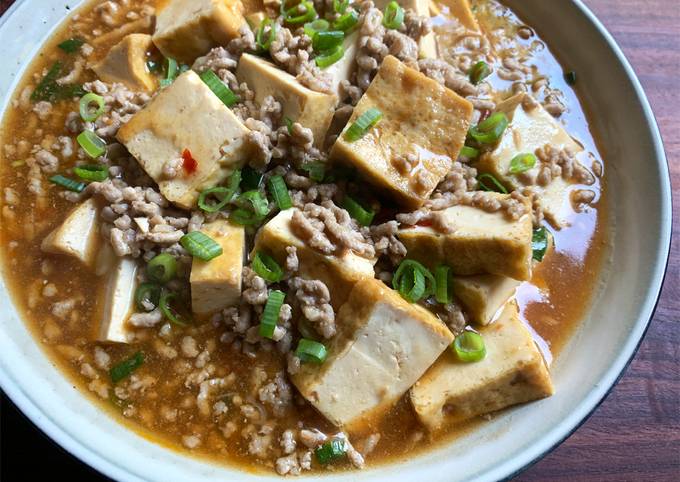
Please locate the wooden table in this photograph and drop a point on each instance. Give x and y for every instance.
(635, 433)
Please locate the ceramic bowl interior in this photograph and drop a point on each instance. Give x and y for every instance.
(639, 188)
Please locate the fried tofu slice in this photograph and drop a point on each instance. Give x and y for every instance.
(413, 146)
(186, 117)
(462, 11)
(78, 234)
(383, 345)
(346, 66)
(479, 242)
(483, 295)
(187, 29)
(216, 284)
(126, 63)
(428, 43)
(512, 372)
(118, 302)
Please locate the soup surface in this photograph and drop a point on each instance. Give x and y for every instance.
(175, 337)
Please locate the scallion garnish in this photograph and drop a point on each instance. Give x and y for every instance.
(310, 351)
(331, 451)
(124, 369)
(265, 41)
(362, 215)
(442, 276)
(279, 191)
(165, 304)
(162, 268)
(86, 112)
(67, 183)
(254, 200)
(92, 172)
(171, 72)
(393, 18)
(362, 125)
(570, 77)
(347, 21)
(487, 182)
(329, 57)
(479, 72)
(267, 268)
(539, 243)
(72, 45)
(49, 90)
(413, 281)
(318, 25)
(522, 163)
(270, 315)
(491, 129)
(469, 347)
(289, 125)
(93, 145)
(340, 6)
(224, 195)
(469, 152)
(251, 179)
(315, 169)
(147, 293)
(200, 245)
(301, 13)
(218, 87)
(324, 41)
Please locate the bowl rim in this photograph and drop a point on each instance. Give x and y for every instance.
(539, 449)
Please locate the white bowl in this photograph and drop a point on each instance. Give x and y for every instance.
(587, 369)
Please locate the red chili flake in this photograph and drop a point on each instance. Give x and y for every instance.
(425, 223)
(190, 165)
(484, 115)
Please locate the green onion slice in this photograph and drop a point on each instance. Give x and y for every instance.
(93, 145)
(147, 292)
(479, 72)
(200, 246)
(331, 451)
(318, 25)
(315, 169)
(67, 183)
(92, 172)
(279, 191)
(219, 88)
(270, 316)
(310, 351)
(86, 112)
(49, 90)
(125, 368)
(162, 268)
(393, 18)
(296, 16)
(362, 125)
(267, 268)
(329, 57)
(362, 215)
(490, 130)
(539, 243)
(469, 347)
(347, 21)
(171, 72)
(469, 152)
(289, 125)
(223, 195)
(245, 217)
(487, 182)
(72, 45)
(570, 77)
(165, 304)
(254, 200)
(522, 163)
(265, 42)
(328, 40)
(413, 281)
(251, 179)
(340, 6)
(443, 292)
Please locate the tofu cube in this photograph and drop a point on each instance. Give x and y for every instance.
(186, 116)
(118, 302)
(428, 43)
(78, 234)
(311, 109)
(187, 29)
(531, 127)
(126, 63)
(410, 150)
(345, 67)
(512, 372)
(483, 295)
(480, 243)
(339, 273)
(383, 345)
(216, 284)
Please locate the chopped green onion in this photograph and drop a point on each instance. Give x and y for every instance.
(171, 72)
(413, 281)
(318, 25)
(93, 145)
(522, 163)
(310, 351)
(324, 41)
(67, 183)
(303, 12)
(86, 113)
(289, 125)
(270, 315)
(72, 45)
(570, 77)
(469, 152)
(347, 21)
(357, 211)
(92, 172)
(315, 169)
(149, 293)
(267, 268)
(393, 18)
(200, 245)
(223, 195)
(490, 130)
(329, 57)
(487, 182)
(340, 6)
(219, 88)
(245, 217)
(469, 347)
(279, 191)
(125, 368)
(330, 451)
(539, 243)
(49, 90)
(442, 276)
(264, 43)
(363, 123)
(479, 72)
(162, 268)
(153, 65)
(165, 304)
(254, 200)
(251, 179)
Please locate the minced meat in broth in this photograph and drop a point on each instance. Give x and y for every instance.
(190, 362)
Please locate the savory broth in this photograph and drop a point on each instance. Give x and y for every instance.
(62, 302)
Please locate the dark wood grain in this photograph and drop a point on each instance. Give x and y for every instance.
(635, 433)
